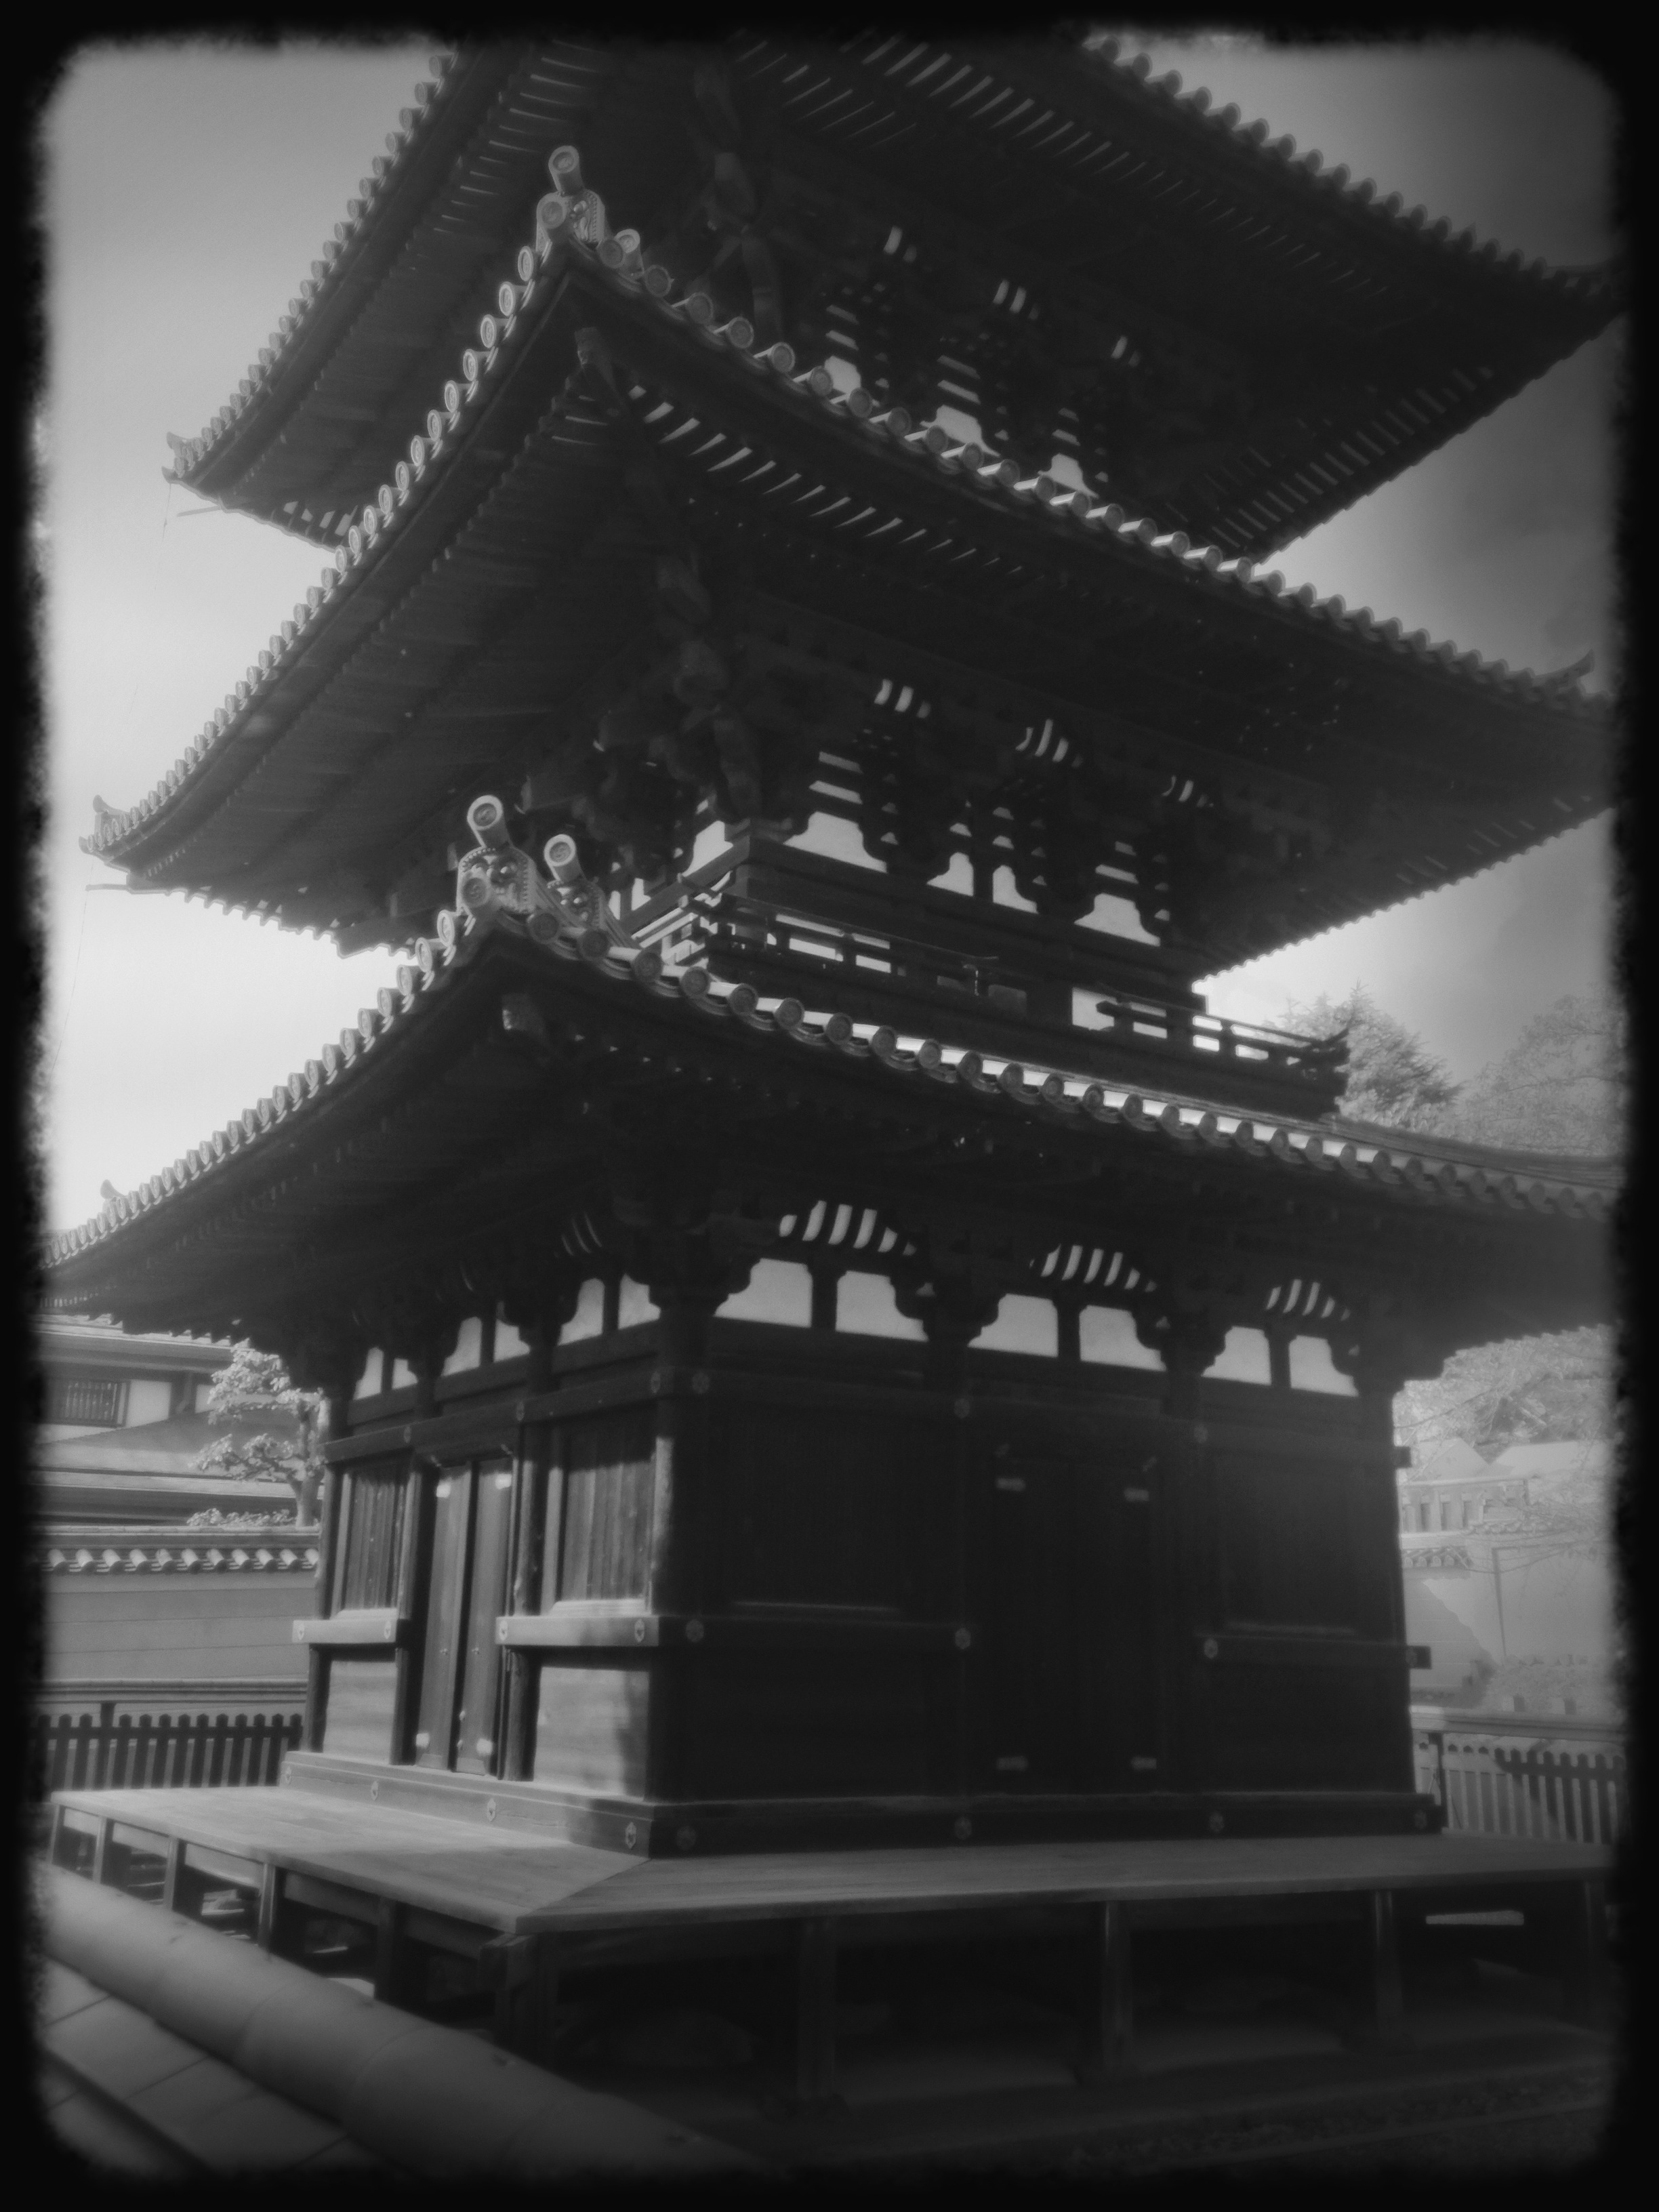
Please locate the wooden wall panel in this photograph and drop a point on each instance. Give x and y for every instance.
(175, 1628)
(821, 1510)
(807, 1724)
(1066, 1679)
(371, 1539)
(1287, 1529)
(358, 1720)
(591, 1726)
(608, 1465)
(1312, 1727)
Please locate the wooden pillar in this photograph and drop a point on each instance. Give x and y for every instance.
(414, 1583)
(393, 1972)
(518, 1750)
(314, 1728)
(815, 2011)
(677, 1489)
(266, 1927)
(1106, 2009)
(173, 1875)
(523, 1973)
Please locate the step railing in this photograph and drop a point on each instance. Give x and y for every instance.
(165, 1751)
(1490, 1782)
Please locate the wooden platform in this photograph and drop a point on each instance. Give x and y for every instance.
(523, 1906)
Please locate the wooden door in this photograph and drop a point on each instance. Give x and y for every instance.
(1029, 1670)
(1069, 1674)
(477, 1721)
(445, 1618)
(1119, 1548)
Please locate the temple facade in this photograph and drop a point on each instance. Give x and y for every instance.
(826, 1339)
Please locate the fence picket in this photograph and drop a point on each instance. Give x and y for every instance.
(102, 1751)
(1503, 1785)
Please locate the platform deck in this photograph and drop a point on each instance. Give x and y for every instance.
(520, 1904)
(522, 1884)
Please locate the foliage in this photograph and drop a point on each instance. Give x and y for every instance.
(253, 1386)
(1393, 1078)
(1562, 1087)
(213, 1518)
(1529, 1390)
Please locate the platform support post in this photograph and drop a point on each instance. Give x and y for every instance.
(1106, 2013)
(523, 1972)
(1386, 2025)
(815, 2011)
(1587, 1978)
(268, 1928)
(392, 1965)
(173, 1873)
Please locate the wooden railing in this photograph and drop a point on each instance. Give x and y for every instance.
(1491, 1780)
(185, 1751)
(750, 935)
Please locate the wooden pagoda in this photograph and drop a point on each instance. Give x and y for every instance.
(786, 1256)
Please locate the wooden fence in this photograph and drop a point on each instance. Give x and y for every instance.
(164, 1751)
(1494, 1782)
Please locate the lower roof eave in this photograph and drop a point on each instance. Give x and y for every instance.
(487, 1072)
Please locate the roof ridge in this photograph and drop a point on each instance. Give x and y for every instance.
(621, 261)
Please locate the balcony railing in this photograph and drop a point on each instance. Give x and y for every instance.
(1135, 1035)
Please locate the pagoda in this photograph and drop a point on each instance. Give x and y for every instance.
(827, 1341)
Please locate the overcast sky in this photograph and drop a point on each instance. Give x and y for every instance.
(189, 188)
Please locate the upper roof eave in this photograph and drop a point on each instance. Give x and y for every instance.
(336, 312)
(132, 839)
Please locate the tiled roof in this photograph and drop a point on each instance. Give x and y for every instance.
(1571, 1188)
(244, 716)
(1254, 139)
(345, 317)
(182, 1557)
(415, 125)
